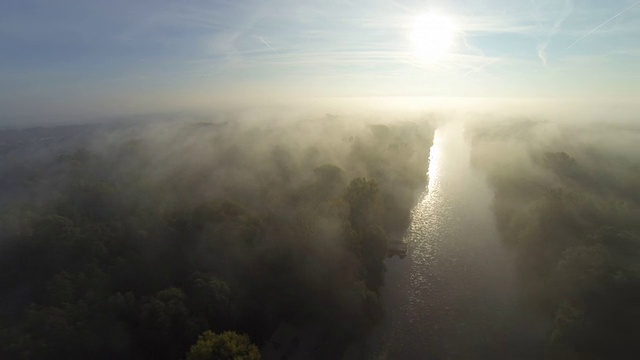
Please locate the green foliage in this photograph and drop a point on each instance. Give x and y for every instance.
(570, 327)
(577, 243)
(147, 241)
(210, 298)
(226, 346)
(561, 163)
(165, 319)
(362, 195)
(581, 268)
(328, 182)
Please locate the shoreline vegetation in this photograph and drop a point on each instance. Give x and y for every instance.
(179, 239)
(567, 204)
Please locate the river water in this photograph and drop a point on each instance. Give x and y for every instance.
(454, 295)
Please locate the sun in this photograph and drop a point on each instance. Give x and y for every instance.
(432, 36)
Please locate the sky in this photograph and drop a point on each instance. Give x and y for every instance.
(109, 58)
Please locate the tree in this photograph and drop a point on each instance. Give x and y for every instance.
(226, 346)
(165, 324)
(328, 181)
(210, 300)
(362, 195)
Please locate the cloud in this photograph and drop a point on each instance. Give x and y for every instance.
(564, 12)
(489, 24)
(542, 53)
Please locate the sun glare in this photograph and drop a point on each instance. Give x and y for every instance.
(432, 36)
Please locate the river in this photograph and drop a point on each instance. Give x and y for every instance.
(454, 295)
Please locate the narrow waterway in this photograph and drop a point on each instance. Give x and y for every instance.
(454, 295)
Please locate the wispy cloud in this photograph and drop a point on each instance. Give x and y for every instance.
(490, 24)
(218, 44)
(564, 13)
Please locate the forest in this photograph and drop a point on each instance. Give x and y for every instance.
(253, 237)
(567, 203)
(200, 239)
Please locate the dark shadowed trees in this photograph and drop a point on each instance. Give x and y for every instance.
(225, 346)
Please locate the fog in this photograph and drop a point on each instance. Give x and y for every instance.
(132, 239)
(566, 202)
(269, 230)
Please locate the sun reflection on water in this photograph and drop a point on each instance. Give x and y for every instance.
(454, 295)
(435, 163)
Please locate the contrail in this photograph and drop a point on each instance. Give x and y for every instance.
(267, 44)
(478, 68)
(601, 25)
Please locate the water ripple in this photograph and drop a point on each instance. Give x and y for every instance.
(453, 296)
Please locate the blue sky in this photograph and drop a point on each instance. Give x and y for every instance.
(98, 58)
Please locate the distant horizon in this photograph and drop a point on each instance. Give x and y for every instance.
(393, 106)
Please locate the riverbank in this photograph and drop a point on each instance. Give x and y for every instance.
(454, 296)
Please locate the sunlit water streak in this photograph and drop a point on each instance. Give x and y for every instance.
(454, 296)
